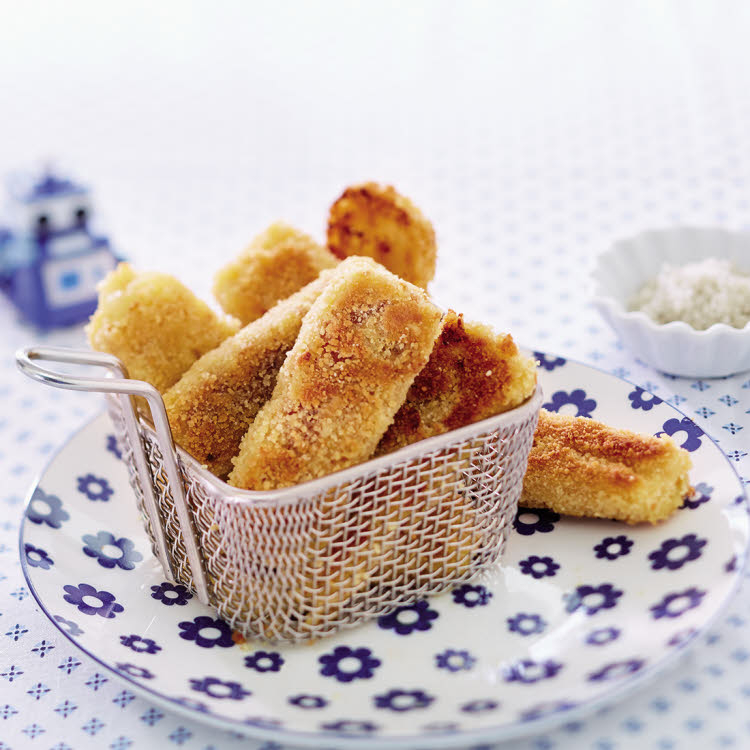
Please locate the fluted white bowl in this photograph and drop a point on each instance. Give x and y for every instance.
(676, 348)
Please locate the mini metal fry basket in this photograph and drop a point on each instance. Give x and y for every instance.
(305, 561)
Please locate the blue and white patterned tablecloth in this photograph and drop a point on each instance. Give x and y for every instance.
(532, 136)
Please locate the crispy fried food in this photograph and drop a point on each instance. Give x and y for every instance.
(154, 324)
(213, 403)
(581, 467)
(278, 263)
(359, 349)
(473, 373)
(376, 221)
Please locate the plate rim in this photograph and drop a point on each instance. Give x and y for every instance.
(513, 731)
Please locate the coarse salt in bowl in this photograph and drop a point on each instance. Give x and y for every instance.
(675, 348)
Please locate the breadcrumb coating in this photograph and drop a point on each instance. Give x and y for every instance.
(277, 263)
(581, 467)
(472, 374)
(212, 404)
(378, 222)
(156, 326)
(358, 351)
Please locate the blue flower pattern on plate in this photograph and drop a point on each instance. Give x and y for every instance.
(264, 661)
(403, 700)
(171, 593)
(125, 555)
(454, 661)
(308, 701)
(593, 599)
(701, 494)
(52, 515)
(133, 670)
(528, 671)
(617, 670)
(578, 398)
(677, 603)
(113, 447)
(220, 689)
(140, 645)
(674, 553)
(347, 664)
(207, 632)
(693, 433)
(37, 557)
(612, 547)
(104, 603)
(95, 488)
(538, 567)
(548, 362)
(526, 624)
(348, 726)
(530, 521)
(602, 636)
(641, 399)
(480, 706)
(408, 619)
(471, 596)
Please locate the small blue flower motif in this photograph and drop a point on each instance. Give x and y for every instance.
(407, 619)
(731, 565)
(612, 547)
(47, 509)
(68, 626)
(92, 602)
(540, 710)
(677, 603)
(36, 557)
(308, 701)
(95, 488)
(171, 593)
(471, 596)
(346, 664)
(525, 624)
(693, 433)
(135, 671)
(140, 645)
(602, 636)
(640, 399)
(682, 637)
(617, 670)
(529, 521)
(479, 706)
(122, 554)
(347, 726)
(674, 553)
(216, 688)
(113, 447)
(454, 661)
(207, 632)
(548, 363)
(592, 599)
(539, 567)
(403, 700)
(701, 494)
(528, 671)
(578, 398)
(264, 661)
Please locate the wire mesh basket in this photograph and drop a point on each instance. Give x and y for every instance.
(305, 561)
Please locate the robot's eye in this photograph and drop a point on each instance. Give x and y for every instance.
(81, 216)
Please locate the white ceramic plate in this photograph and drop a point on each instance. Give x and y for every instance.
(579, 612)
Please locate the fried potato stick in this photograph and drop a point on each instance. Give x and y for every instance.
(378, 222)
(154, 324)
(359, 349)
(214, 402)
(277, 263)
(581, 467)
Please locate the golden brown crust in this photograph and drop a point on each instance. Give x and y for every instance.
(472, 374)
(378, 222)
(154, 324)
(278, 263)
(213, 403)
(359, 349)
(581, 467)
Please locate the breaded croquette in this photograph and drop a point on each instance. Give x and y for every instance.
(212, 404)
(376, 221)
(358, 351)
(277, 263)
(581, 467)
(154, 324)
(473, 373)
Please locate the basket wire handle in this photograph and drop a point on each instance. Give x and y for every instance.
(120, 384)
